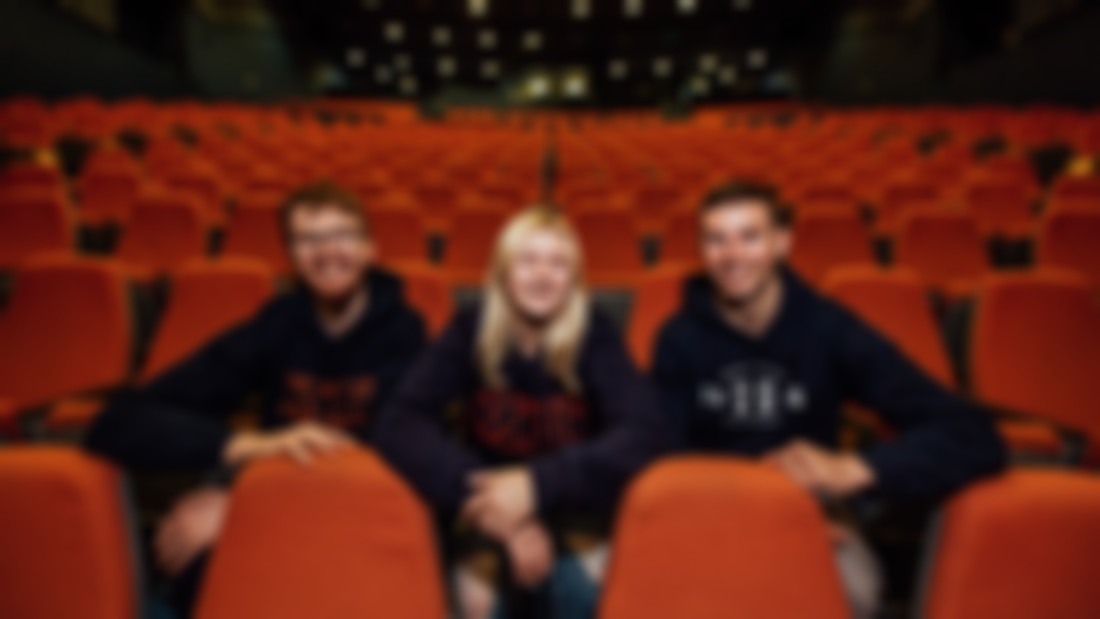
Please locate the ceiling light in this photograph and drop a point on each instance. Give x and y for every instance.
(403, 62)
(581, 9)
(394, 32)
(532, 40)
(441, 36)
(538, 87)
(700, 86)
(688, 6)
(618, 69)
(407, 85)
(372, 5)
(446, 66)
(742, 5)
(728, 76)
(633, 8)
(757, 58)
(662, 67)
(477, 8)
(575, 86)
(708, 62)
(490, 69)
(382, 74)
(487, 39)
(356, 57)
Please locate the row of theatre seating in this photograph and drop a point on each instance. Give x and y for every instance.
(696, 537)
(1031, 344)
(916, 183)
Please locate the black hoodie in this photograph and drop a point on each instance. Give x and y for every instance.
(285, 358)
(725, 391)
(582, 448)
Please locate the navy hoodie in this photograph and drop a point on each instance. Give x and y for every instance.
(582, 448)
(725, 391)
(284, 357)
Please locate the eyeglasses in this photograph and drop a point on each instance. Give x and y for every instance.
(343, 237)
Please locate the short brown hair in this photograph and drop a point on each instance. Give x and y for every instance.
(321, 195)
(745, 190)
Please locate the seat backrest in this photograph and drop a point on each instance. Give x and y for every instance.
(33, 222)
(942, 247)
(1077, 188)
(471, 241)
(895, 302)
(1071, 240)
(823, 241)
(1020, 546)
(999, 205)
(206, 299)
(1035, 347)
(67, 328)
(67, 544)
(610, 243)
(255, 231)
(343, 538)
(429, 292)
(656, 297)
(108, 194)
(400, 236)
(164, 232)
(680, 244)
(711, 538)
(21, 177)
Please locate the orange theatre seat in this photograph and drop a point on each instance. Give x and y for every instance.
(896, 304)
(470, 246)
(67, 549)
(107, 195)
(1021, 546)
(613, 257)
(429, 292)
(1001, 208)
(22, 177)
(164, 232)
(32, 222)
(680, 244)
(902, 199)
(710, 538)
(1070, 239)
(1035, 347)
(206, 299)
(345, 538)
(400, 236)
(656, 297)
(67, 331)
(946, 249)
(823, 241)
(255, 231)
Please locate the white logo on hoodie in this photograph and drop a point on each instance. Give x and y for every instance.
(752, 394)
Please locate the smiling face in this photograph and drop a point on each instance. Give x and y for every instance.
(330, 249)
(540, 275)
(742, 248)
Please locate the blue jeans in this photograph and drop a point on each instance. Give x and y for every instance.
(568, 593)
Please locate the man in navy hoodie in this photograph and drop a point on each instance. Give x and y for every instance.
(755, 363)
(321, 363)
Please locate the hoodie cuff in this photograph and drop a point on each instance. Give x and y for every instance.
(890, 469)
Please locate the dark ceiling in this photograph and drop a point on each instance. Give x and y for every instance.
(590, 52)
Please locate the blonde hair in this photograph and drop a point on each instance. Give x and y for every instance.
(564, 335)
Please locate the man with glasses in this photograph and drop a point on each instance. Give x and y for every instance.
(320, 363)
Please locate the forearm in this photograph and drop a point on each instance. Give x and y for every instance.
(158, 437)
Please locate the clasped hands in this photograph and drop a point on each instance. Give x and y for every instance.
(502, 507)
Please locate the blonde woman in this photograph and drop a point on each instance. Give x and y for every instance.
(553, 420)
